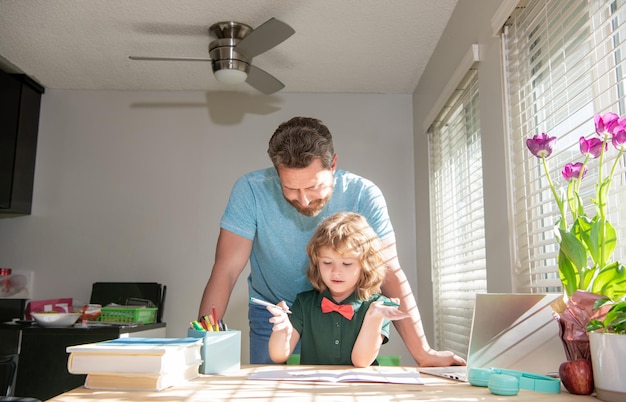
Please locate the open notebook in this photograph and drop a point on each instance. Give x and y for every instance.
(510, 330)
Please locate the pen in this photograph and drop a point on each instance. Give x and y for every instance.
(264, 303)
(390, 303)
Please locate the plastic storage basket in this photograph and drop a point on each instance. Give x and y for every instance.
(145, 315)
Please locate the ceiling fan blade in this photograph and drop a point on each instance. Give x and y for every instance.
(169, 58)
(262, 81)
(266, 36)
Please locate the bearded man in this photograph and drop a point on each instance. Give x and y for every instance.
(272, 214)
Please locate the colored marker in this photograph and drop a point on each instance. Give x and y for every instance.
(213, 324)
(215, 320)
(207, 323)
(196, 325)
(390, 303)
(214, 314)
(267, 304)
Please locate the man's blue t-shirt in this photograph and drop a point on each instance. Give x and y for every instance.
(257, 210)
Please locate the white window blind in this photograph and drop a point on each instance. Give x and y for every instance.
(458, 248)
(564, 62)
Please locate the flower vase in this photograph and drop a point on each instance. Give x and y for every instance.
(572, 317)
(575, 344)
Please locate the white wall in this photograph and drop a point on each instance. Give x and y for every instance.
(130, 186)
(469, 24)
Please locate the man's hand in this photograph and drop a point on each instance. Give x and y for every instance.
(441, 358)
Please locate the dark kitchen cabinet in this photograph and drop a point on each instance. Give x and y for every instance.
(20, 100)
(33, 360)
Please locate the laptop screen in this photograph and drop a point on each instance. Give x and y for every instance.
(515, 331)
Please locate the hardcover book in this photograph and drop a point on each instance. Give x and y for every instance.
(135, 355)
(140, 382)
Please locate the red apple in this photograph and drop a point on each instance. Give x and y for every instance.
(577, 376)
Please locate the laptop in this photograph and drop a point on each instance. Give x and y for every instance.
(515, 331)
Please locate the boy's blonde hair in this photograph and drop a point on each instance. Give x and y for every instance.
(348, 233)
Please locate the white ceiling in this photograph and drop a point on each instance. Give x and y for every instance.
(341, 46)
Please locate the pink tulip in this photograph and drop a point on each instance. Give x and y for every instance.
(541, 145)
(605, 122)
(591, 147)
(619, 135)
(572, 171)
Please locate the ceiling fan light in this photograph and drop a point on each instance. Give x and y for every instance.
(231, 77)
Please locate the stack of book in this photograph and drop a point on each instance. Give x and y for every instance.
(147, 364)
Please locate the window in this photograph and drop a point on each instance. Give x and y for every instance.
(459, 266)
(564, 63)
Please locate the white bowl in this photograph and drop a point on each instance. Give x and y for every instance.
(55, 319)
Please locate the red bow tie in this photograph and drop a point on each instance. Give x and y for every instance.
(345, 310)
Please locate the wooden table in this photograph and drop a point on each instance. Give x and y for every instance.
(237, 387)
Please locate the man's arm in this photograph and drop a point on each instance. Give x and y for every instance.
(231, 256)
(411, 329)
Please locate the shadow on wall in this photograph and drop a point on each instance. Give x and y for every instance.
(226, 108)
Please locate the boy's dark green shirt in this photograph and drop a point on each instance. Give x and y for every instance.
(328, 338)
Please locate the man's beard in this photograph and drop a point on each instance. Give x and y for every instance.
(313, 208)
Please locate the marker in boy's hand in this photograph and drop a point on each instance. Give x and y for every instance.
(278, 306)
(388, 309)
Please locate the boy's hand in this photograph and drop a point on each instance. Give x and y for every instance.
(280, 319)
(387, 310)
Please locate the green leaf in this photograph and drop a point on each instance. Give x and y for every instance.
(601, 302)
(588, 278)
(610, 281)
(616, 320)
(581, 206)
(574, 249)
(568, 274)
(602, 241)
(582, 229)
(594, 325)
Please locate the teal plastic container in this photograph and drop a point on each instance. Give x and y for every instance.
(221, 351)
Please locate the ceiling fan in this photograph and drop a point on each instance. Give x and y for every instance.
(232, 52)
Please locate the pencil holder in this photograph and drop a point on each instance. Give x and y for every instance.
(221, 351)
